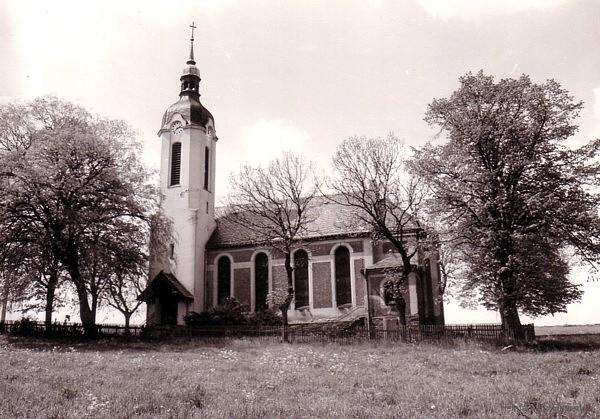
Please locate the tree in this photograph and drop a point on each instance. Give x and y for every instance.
(42, 276)
(513, 192)
(69, 177)
(370, 176)
(273, 204)
(124, 289)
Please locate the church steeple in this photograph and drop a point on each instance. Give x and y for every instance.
(191, 60)
(190, 78)
(188, 105)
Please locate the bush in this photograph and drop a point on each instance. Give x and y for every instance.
(266, 317)
(230, 313)
(24, 327)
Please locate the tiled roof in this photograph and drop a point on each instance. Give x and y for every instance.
(328, 219)
(391, 261)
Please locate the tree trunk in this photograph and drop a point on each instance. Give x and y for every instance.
(85, 312)
(127, 318)
(511, 324)
(87, 316)
(4, 305)
(284, 308)
(284, 317)
(401, 306)
(49, 309)
(50, 294)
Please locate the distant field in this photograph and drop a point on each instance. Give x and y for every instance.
(43, 379)
(568, 330)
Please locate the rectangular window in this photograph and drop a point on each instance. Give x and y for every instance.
(206, 167)
(175, 164)
(172, 251)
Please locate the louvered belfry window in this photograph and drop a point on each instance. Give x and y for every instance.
(175, 164)
(206, 167)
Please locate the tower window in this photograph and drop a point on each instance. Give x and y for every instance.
(172, 251)
(175, 164)
(206, 166)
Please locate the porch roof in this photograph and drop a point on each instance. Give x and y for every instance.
(171, 281)
(393, 261)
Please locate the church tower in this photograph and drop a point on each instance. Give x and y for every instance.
(187, 186)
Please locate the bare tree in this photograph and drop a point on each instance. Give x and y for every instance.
(273, 204)
(369, 177)
(124, 289)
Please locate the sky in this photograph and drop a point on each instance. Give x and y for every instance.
(300, 75)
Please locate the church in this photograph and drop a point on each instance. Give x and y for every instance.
(339, 271)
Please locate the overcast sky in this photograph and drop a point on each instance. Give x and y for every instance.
(295, 75)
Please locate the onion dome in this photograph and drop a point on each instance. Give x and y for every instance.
(188, 105)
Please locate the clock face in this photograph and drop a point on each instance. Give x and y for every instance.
(176, 127)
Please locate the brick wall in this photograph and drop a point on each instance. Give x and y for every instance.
(322, 284)
(241, 285)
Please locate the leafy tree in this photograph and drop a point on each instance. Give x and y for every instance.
(514, 193)
(273, 204)
(43, 276)
(370, 177)
(68, 179)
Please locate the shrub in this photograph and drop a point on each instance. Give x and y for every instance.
(265, 317)
(230, 312)
(24, 327)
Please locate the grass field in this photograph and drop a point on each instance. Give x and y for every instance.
(579, 329)
(246, 379)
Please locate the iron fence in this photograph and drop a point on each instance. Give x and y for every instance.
(297, 333)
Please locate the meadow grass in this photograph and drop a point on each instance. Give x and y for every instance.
(241, 378)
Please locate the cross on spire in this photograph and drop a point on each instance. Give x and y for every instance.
(191, 60)
(193, 27)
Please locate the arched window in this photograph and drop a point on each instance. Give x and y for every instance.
(343, 289)
(175, 164)
(301, 278)
(261, 281)
(223, 279)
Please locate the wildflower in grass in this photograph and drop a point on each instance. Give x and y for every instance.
(249, 396)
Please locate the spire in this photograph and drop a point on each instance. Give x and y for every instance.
(191, 60)
(190, 78)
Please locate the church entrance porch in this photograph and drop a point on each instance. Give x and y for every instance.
(164, 296)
